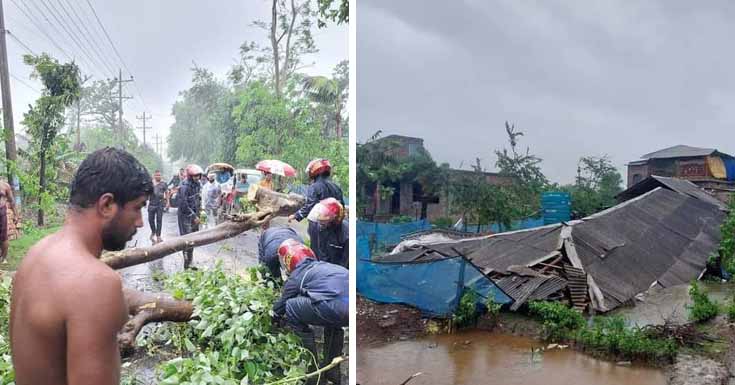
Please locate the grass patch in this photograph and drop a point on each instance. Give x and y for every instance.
(607, 336)
(703, 308)
(19, 247)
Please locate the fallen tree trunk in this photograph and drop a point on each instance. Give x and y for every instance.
(149, 307)
(157, 307)
(269, 204)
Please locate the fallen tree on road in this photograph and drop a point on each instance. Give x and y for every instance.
(158, 307)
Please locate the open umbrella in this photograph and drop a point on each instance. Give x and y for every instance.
(276, 167)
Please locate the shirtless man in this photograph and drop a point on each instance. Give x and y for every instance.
(6, 199)
(67, 306)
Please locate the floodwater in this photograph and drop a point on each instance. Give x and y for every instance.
(480, 357)
(669, 304)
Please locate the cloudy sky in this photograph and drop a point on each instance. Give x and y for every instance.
(158, 41)
(578, 78)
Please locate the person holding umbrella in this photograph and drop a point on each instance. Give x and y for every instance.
(316, 293)
(321, 187)
(272, 166)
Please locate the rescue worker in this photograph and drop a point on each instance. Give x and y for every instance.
(321, 187)
(189, 207)
(334, 232)
(268, 245)
(315, 293)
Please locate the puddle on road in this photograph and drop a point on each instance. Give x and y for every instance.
(478, 357)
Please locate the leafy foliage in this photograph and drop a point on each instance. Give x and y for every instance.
(466, 312)
(727, 241)
(328, 10)
(608, 335)
(598, 181)
(559, 321)
(61, 87)
(7, 374)
(702, 307)
(730, 310)
(233, 341)
(525, 169)
(611, 336)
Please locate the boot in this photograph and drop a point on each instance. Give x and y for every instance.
(333, 347)
(188, 257)
(307, 339)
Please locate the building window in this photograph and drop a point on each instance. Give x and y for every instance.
(637, 178)
(413, 148)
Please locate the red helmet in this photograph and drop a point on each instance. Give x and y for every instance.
(194, 169)
(317, 167)
(328, 210)
(291, 252)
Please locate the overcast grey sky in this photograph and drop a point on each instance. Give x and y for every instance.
(578, 77)
(157, 39)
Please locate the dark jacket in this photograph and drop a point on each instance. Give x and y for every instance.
(322, 188)
(155, 201)
(271, 239)
(333, 245)
(318, 280)
(190, 200)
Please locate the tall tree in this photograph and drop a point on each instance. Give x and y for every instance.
(598, 182)
(332, 94)
(61, 87)
(525, 170)
(290, 38)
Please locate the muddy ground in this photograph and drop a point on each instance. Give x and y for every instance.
(713, 364)
(235, 254)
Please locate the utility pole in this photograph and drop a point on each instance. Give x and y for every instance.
(144, 128)
(78, 145)
(158, 145)
(10, 150)
(120, 97)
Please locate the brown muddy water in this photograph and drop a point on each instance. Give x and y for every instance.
(480, 357)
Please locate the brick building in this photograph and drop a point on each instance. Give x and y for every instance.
(409, 197)
(708, 168)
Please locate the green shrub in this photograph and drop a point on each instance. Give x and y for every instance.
(493, 308)
(443, 223)
(610, 335)
(702, 307)
(7, 374)
(402, 219)
(559, 321)
(466, 312)
(730, 310)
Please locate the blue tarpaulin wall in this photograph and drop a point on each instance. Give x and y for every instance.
(389, 234)
(433, 287)
(729, 168)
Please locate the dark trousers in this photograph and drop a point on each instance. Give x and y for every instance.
(186, 226)
(333, 315)
(155, 220)
(313, 231)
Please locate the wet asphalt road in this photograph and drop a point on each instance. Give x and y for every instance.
(235, 253)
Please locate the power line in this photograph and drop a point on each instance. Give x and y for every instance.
(24, 83)
(84, 37)
(20, 42)
(135, 84)
(74, 39)
(50, 39)
(100, 51)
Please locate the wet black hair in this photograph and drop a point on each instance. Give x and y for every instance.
(109, 170)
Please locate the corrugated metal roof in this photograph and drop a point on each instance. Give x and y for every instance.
(681, 186)
(679, 151)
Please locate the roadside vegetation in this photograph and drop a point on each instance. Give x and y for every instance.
(605, 335)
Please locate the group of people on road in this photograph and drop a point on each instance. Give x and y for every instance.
(73, 338)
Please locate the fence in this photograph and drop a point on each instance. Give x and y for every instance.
(434, 287)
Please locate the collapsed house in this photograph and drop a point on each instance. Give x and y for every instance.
(662, 237)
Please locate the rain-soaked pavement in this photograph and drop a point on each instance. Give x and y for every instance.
(235, 253)
(480, 357)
